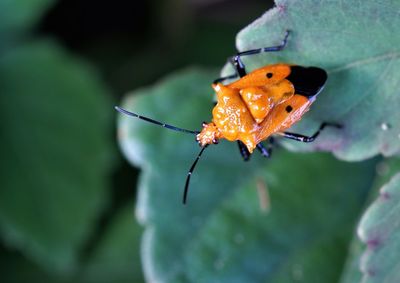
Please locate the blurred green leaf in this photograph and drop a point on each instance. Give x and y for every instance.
(117, 257)
(16, 269)
(222, 235)
(17, 16)
(55, 153)
(358, 44)
(379, 229)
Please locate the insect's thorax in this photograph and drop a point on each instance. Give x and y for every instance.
(251, 112)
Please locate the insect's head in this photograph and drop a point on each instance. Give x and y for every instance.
(208, 135)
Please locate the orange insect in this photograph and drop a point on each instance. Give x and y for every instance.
(260, 104)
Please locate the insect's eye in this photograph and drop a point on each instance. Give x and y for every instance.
(269, 75)
(289, 109)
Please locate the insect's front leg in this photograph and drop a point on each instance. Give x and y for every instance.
(220, 80)
(238, 63)
(266, 151)
(244, 152)
(240, 67)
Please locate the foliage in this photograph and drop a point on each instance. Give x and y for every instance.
(66, 199)
(57, 154)
(45, 105)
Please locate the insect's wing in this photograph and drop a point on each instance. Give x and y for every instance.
(284, 115)
(307, 81)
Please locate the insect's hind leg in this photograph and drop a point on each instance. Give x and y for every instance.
(302, 138)
(238, 63)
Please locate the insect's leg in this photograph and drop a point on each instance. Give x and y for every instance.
(302, 138)
(266, 49)
(219, 80)
(243, 151)
(265, 151)
(238, 63)
(271, 141)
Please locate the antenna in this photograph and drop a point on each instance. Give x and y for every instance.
(185, 192)
(126, 112)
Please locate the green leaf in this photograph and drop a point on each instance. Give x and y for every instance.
(222, 234)
(379, 229)
(386, 169)
(55, 152)
(358, 44)
(17, 16)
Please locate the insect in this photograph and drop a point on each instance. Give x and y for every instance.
(257, 106)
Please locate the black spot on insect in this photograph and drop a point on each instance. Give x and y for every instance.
(289, 109)
(269, 75)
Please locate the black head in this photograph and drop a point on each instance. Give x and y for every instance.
(307, 81)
